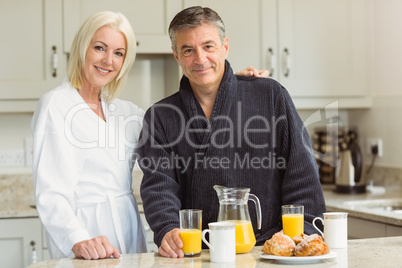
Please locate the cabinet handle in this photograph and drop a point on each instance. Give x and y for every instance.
(34, 255)
(286, 61)
(54, 61)
(271, 62)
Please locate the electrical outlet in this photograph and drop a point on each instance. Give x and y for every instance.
(374, 141)
(12, 158)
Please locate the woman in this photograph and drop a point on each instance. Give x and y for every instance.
(84, 141)
(82, 160)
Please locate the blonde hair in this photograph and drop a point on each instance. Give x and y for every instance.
(81, 43)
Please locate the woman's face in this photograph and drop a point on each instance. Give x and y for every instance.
(104, 58)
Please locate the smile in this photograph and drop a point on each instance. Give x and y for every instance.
(103, 71)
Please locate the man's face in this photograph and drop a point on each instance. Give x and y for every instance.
(202, 55)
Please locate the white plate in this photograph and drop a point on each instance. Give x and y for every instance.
(295, 259)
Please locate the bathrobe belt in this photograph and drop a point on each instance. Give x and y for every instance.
(111, 199)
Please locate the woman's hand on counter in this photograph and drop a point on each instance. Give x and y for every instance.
(95, 248)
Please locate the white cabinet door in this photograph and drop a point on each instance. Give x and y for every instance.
(320, 47)
(29, 31)
(150, 20)
(387, 38)
(360, 229)
(242, 23)
(393, 230)
(16, 236)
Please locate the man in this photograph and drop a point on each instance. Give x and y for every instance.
(222, 129)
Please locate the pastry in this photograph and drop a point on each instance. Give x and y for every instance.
(297, 239)
(279, 245)
(312, 245)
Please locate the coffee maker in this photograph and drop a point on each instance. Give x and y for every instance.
(339, 159)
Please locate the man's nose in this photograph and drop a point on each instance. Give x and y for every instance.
(200, 56)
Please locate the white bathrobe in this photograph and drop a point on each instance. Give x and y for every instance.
(82, 171)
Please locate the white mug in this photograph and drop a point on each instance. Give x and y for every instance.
(222, 241)
(335, 229)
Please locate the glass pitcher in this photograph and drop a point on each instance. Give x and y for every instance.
(233, 207)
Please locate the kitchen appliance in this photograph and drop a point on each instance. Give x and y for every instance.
(233, 208)
(349, 171)
(325, 142)
(339, 159)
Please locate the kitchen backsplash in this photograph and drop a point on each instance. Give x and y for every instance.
(16, 189)
(390, 178)
(19, 187)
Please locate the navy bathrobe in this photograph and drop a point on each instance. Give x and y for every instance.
(254, 138)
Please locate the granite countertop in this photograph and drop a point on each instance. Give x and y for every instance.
(344, 202)
(9, 210)
(375, 252)
(17, 210)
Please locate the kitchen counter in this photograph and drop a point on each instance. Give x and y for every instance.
(10, 210)
(342, 202)
(376, 252)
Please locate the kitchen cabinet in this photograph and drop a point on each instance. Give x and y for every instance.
(393, 230)
(318, 50)
(150, 20)
(360, 228)
(32, 60)
(387, 38)
(16, 236)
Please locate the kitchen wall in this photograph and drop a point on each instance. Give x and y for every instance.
(14, 129)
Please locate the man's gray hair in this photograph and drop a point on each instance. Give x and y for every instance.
(193, 17)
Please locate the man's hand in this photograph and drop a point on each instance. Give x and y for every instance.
(95, 248)
(171, 245)
(252, 71)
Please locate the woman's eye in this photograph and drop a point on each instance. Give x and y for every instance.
(119, 54)
(99, 48)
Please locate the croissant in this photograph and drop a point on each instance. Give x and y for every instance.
(312, 245)
(297, 239)
(279, 245)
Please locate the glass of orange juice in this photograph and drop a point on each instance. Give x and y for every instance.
(190, 231)
(293, 220)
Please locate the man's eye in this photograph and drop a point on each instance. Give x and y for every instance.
(187, 51)
(209, 47)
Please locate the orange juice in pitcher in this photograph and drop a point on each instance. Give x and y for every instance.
(245, 238)
(233, 208)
